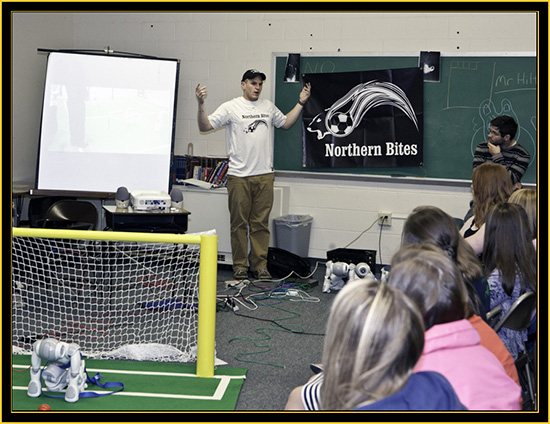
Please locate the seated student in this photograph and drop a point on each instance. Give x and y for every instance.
(374, 337)
(429, 224)
(491, 184)
(510, 264)
(502, 148)
(527, 198)
(452, 345)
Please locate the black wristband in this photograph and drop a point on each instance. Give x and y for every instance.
(301, 103)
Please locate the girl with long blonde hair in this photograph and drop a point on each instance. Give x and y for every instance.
(374, 338)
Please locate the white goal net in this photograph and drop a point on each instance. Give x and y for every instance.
(123, 300)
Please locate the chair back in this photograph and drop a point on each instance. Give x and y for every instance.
(519, 315)
(38, 206)
(72, 214)
(459, 222)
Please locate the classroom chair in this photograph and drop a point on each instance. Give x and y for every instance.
(71, 214)
(518, 318)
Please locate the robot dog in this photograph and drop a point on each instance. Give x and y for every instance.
(339, 273)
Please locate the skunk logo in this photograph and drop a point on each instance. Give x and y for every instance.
(254, 125)
(363, 97)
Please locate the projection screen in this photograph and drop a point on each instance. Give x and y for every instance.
(107, 121)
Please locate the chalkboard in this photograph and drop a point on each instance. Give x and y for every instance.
(457, 110)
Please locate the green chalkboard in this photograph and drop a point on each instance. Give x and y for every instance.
(457, 110)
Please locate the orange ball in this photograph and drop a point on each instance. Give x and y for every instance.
(44, 407)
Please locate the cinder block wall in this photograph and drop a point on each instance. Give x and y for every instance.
(216, 48)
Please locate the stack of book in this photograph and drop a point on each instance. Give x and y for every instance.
(180, 168)
(207, 169)
(218, 175)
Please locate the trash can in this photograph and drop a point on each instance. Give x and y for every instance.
(292, 233)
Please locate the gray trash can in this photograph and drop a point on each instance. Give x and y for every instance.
(292, 233)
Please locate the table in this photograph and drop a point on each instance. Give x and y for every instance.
(154, 221)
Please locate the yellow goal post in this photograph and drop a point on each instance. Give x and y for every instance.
(207, 276)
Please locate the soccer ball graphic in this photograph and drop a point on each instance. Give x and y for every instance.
(341, 124)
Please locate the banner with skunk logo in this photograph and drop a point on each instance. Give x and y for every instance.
(364, 119)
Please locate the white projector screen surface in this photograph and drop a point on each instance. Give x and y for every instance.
(107, 122)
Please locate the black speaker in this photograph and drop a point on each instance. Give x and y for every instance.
(282, 263)
(292, 70)
(353, 256)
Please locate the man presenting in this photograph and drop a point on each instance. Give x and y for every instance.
(249, 123)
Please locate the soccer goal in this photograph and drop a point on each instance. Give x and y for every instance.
(118, 295)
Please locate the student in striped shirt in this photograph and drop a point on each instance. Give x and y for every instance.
(502, 148)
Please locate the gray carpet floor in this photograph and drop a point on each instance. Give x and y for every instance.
(276, 340)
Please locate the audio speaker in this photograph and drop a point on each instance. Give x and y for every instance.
(122, 198)
(177, 198)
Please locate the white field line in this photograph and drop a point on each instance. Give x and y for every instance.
(218, 394)
(165, 374)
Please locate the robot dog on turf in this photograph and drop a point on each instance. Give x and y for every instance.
(339, 273)
(65, 369)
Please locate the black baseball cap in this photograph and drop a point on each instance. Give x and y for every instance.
(253, 73)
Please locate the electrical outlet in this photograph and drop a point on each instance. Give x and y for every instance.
(384, 218)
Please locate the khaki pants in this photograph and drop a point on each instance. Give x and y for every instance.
(250, 203)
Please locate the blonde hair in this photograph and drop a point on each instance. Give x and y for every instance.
(491, 184)
(527, 197)
(374, 338)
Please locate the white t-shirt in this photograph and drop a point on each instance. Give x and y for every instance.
(249, 134)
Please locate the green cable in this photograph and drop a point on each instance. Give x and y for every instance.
(262, 330)
(266, 348)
